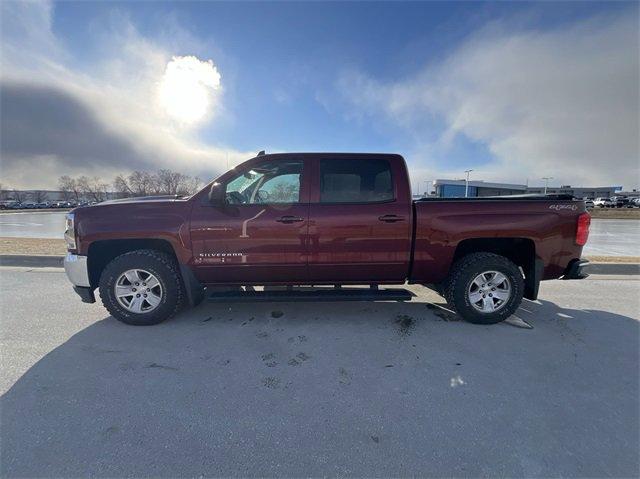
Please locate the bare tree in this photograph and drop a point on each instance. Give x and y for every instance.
(189, 186)
(69, 187)
(39, 196)
(164, 182)
(93, 188)
(19, 196)
(98, 189)
(175, 183)
(121, 186)
(169, 182)
(3, 193)
(83, 185)
(142, 183)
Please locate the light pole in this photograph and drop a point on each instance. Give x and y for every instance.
(426, 192)
(546, 182)
(466, 184)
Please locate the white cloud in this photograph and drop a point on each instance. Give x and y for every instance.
(137, 106)
(27, 39)
(561, 102)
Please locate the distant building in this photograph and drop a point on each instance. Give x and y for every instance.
(456, 188)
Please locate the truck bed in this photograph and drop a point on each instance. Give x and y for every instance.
(544, 225)
(499, 198)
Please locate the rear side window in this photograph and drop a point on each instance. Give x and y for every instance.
(355, 181)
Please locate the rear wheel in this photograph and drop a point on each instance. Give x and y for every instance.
(484, 288)
(142, 287)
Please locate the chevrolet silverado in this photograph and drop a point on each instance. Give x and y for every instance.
(318, 222)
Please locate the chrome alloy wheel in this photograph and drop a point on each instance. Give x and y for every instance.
(138, 291)
(489, 291)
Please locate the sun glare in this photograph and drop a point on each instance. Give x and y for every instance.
(188, 89)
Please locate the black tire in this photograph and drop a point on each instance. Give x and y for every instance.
(465, 270)
(163, 267)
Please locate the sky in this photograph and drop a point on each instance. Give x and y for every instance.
(515, 91)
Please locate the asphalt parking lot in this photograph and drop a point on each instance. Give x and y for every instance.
(320, 389)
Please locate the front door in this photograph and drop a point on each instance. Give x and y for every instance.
(260, 235)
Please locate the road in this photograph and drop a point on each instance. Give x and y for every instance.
(607, 237)
(320, 389)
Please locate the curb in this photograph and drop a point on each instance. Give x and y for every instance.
(613, 268)
(31, 261)
(56, 262)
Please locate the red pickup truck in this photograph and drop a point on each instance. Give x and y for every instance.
(322, 220)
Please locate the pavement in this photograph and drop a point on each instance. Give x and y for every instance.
(320, 389)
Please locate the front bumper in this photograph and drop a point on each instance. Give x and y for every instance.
(78, 273)
(575, 270)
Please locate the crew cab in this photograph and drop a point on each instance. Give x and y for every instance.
(325, 220)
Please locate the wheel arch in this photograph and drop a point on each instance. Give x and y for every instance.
(102, 252)
(522, 251)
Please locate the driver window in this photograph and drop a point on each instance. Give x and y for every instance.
(266, 183)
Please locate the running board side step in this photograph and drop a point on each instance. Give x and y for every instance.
(338, 294)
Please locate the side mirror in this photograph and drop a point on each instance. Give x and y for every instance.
(217, 194)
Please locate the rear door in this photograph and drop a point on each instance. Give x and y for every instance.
(359, 220)
(260, 235)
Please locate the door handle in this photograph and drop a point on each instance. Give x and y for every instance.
(289, 219)
(390, 218)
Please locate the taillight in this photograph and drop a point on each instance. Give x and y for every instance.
(582, 231)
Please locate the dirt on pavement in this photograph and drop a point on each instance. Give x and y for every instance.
(615, 213)
(32, 246)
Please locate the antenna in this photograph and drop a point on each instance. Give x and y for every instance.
(261, 152)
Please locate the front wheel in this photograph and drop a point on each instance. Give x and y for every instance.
(484, 288)
(142, 287)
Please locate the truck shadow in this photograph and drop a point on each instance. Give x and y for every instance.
(221, 390)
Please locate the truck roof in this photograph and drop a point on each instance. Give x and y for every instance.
(341, 155)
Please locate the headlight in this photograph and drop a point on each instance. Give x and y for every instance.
(70, 231)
